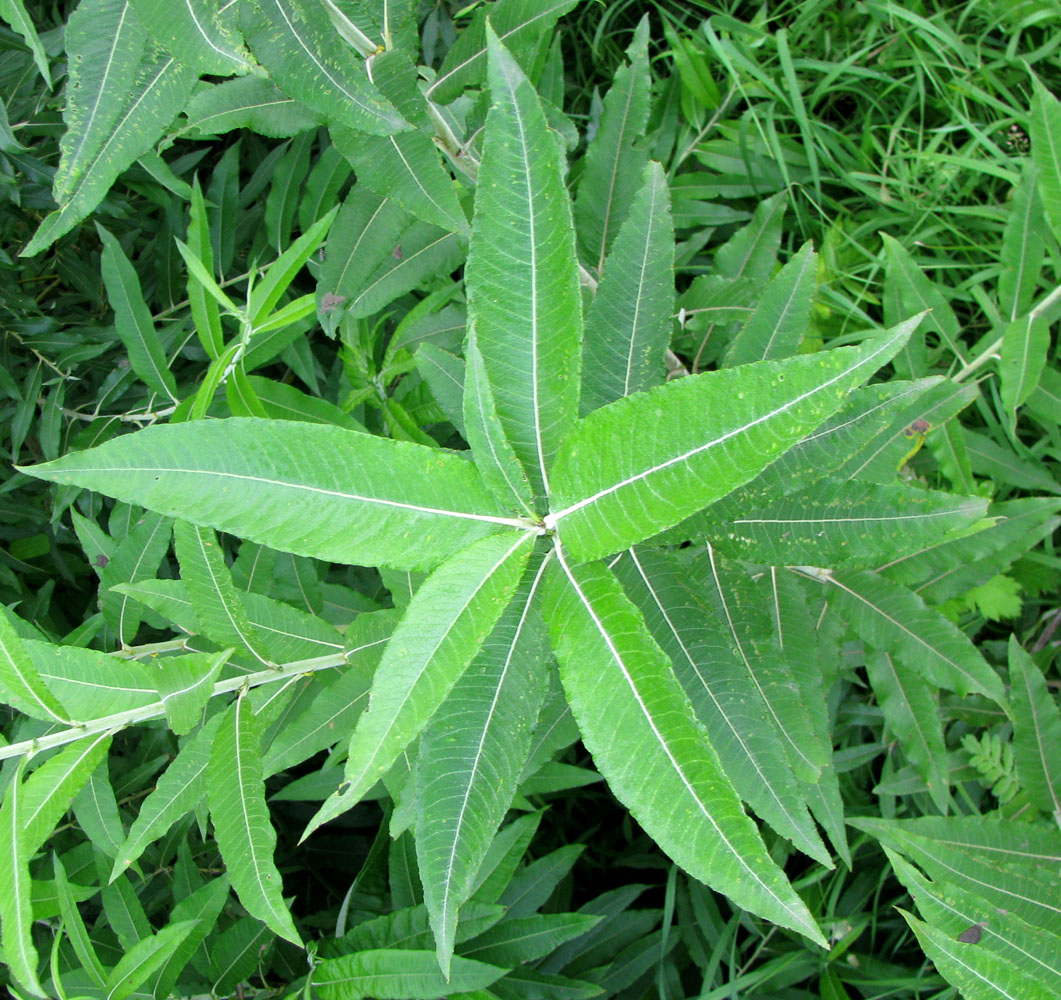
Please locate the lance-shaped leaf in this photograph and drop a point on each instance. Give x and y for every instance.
(136, 557)
(1036, 731)
(22, 684)
(132, 319)
(494, 457)
(895, 619)
(1025, 344)
(203, 907)
(250, 102)
(156, 96)
(14, 13)
(185, 684)
(521, 276)
(1023, 245)
(642, 464)
(179, 790)
(447, 620)
(310, 489)
(722, 693)
(840, 521)
(74, 926)
(296, 42)
(978, 973)
(911, 709)
(518, 23)
(1046, 151)
(16, 915)
(199, 33)
(245, 834)
(628, 324)
(399, 974)
(644, 736)
(141, 961)
(219, 612)
(782, 316)
(471, 756)
(615, 159)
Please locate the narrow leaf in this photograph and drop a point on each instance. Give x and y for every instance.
(1023, 245)
(398, 974)
(20, 680)
(14, 13)
(1046, 151)
(197, 33)
(1025, 344)
(250, 102)
(1036, 731)
(185, 684)
(644, 737)
(245, 834)
(139, 963)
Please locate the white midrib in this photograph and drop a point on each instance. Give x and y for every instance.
(867, 519)
(693, 794)
(637, 301)
(31, 695)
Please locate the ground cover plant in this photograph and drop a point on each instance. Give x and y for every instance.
(533, 500)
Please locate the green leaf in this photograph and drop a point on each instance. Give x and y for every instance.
(471, 755)
(445, 374)
(1036, 731)
(838, 521)
(776, 328)
(250, 102)
(977, 972)
(136, 557)
(96, 811)
(23, 686)
(895, 619)
(722, 692)
(446, 623)
(245, 834)
(185, 684)
(398, 974)
(1023, 245)
(75, 928)
(297, 43)
(139, 963)
(615, 159)
(1046, 151)
(219, 612)
(317, 491)
(637, 722)
(128, 123)
(521, 276)
(1025, 343)
(642, 464)
(519, 25)
(911, 710)
(14, 13)
(628, 324)
(179, 790)
(132, 319)
(202, 907)
(527, 939)
(197, 33)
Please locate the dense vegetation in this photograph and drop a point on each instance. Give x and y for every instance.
(530, 499)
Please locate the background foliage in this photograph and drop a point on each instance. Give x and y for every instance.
(201, 226)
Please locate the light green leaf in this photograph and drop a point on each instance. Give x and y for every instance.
(640, 727)
(14, 13)
(245, 834)
(722, 692)
(494, 457)
(977, 972)
(179, 790)
(628, 324)
(751, 252)
(185, 684)
(615, 159)
(398, 974)
(96, 810)
(132, 319)
(356, 498)
(20, 681)
(130, 121)
(471, 755)
(139, 963)
(776, 328)
(911, 710)
(219, 612)
(16, 917)
(197, 33)
(895, 619)
(446, 623)
(296, 42)
(1025, 343)
(286, 402)
(642, 464)
(527, 939)
(845, 521)
(519, 25)
(75, 927)
(135, 558)
(1023, 245)
(1036, 731)
(521, 275)
(250, 102)
(1046, 151)
(444, 374)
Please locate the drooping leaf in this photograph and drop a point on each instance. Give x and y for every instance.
(14, 13)
(198, 33)
(472, 753)
(643, 734)
(340, 496)
(446, 623)
(250, 102)
(23, 686)
(1036, 731)
(139, 963)
(75, 927)
(521, 275)
(245, 834)
(642, 464)
(628, 324)
(135, 558)
(297, 44)
(185, 684)
(202, 908)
